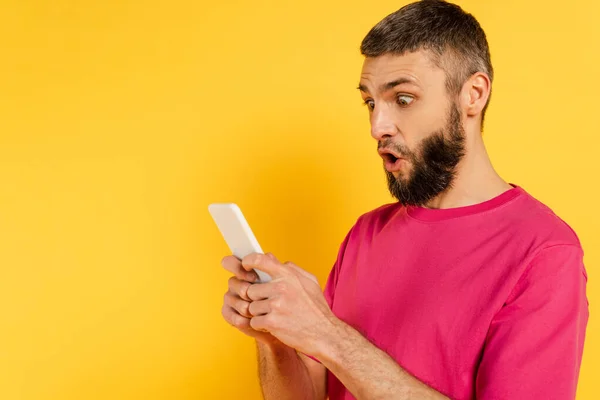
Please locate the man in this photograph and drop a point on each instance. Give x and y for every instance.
(465, 288)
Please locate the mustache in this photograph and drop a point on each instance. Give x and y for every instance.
(399, 149)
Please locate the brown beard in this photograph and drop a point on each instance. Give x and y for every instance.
(433, 164)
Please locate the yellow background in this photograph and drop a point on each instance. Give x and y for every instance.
(120, 121)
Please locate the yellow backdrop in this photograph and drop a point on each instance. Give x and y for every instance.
(120, 121)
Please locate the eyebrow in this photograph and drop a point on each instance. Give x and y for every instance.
(388, 85)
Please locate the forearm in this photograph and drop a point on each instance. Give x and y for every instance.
(368, 372)
(283, 374)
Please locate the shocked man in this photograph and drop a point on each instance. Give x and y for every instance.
(466, 288)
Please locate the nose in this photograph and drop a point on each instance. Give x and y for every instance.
(382, 125)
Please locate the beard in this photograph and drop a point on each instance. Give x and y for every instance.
(433, 163)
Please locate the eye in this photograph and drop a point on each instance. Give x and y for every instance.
(370, 104)
(404, 100)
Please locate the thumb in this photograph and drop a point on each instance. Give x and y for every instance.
(263, 262)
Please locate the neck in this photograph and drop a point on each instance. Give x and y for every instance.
(476, 180)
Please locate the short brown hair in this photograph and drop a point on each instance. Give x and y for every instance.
(455, 39)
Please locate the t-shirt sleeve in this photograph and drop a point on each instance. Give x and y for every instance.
(534, 346)
(329, 290)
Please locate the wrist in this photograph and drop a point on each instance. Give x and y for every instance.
(333, 341)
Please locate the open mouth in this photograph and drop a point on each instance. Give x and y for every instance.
(389, 158)
(391, 162)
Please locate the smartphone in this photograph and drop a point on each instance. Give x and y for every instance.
(236, 232)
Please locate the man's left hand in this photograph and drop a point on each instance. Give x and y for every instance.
(291, 306)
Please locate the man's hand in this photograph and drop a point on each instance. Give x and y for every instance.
(236, 301)
(291, 307)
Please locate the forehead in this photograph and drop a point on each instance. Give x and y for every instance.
(417, 66)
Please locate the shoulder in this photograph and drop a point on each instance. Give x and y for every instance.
(373, 221)
(360, 237)
(542, 225)
(553, 250)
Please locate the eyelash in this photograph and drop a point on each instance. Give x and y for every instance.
(367, 101)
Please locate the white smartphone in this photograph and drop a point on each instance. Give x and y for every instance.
(236, 232)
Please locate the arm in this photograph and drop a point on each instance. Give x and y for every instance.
(368, 372)
(293, 309)
(285, 374)
(534, 345)
(533, 348)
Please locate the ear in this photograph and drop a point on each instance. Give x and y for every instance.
(475, 93)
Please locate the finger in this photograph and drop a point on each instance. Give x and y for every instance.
(239, 287)
(271, 256)
(235, 319)
(260, 323)
(261, 291)
(234, 265)
(263, 262)
(239, 305)
(261, 307)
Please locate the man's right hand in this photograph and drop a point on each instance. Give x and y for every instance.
(236, 301)
(281, 369)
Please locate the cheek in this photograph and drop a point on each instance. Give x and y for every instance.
(419, 123)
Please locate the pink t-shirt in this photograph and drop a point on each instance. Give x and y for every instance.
(479, 302)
